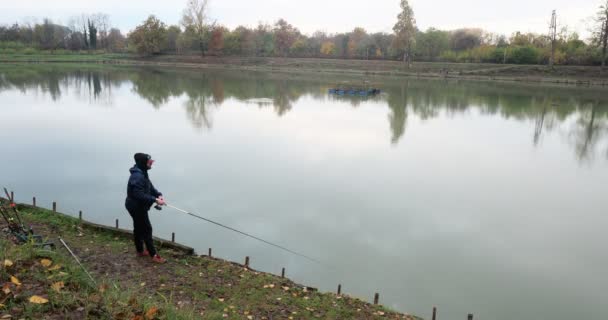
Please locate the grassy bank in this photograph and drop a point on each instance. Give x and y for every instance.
(473, 71)
(129, 287)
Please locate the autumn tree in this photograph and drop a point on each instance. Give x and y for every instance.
(115, 40)
(465, 39)
(49, 35)
(328, 48)
(194, 19)
(405, 30)
(149, 37)
(284, 36)
(216, 43)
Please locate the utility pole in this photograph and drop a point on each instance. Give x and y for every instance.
(604, 41)
(553, 37)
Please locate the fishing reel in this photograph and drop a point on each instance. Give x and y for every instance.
(158, 207)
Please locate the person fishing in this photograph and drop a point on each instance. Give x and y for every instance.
(141, 195)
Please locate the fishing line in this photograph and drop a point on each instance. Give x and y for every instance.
(245, 234)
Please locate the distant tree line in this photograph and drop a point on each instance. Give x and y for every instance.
(85, 32)
(196, 34)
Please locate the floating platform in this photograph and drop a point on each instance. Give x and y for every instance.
(354, 91)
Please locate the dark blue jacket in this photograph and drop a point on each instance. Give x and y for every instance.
(141, 194)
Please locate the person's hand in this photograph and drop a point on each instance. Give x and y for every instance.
(160, 201)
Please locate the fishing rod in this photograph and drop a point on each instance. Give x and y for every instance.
(78, 261)
(243, 233)
(13, 206)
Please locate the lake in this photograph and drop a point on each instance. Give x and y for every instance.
(483, 198)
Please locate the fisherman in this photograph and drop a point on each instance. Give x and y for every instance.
(141, 195)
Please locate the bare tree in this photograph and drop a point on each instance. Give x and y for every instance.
(405, 30)
(194, 18)
(102, 24)
(601, 35)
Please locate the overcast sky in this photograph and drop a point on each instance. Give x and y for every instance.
(326, 15)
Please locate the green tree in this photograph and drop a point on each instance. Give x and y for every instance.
(405, 31)
(149, 37)
(173, 33)
(430, 44)
(92, 34)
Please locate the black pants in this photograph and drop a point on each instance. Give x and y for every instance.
(142, 231)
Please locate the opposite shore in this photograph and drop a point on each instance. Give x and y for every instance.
(569, 75)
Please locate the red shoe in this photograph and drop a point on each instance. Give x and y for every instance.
(143, 254)
(158, 259)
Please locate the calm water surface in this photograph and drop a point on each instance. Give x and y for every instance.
(482, 198)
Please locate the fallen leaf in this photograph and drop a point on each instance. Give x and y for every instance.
(6, 288)
(380, 313)
(220, 299)
(95, 298)
(55, 267)
(250, 317)
(142, 284)
(286, 288)
(151, 312)
(15, 281)
(57, 286)
(103, 288)
(38, 300)
(8, 263)
(46, 263)
(2, 306)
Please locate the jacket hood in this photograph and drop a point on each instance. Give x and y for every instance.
(135, 169)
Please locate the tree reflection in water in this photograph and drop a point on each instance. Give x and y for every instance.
(543, 107)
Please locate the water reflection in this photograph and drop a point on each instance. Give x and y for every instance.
(545, 108)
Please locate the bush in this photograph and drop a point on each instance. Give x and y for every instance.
(29, 51)
(498, 55)
(449, 56)
(523, 55)
(14, 45)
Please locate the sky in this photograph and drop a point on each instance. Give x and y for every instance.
(330, 16)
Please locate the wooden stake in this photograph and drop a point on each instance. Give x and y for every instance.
(80, 215)
(34, 202)
(376, 298)
(54, 206)
(209, 252)
(283, 273)
(434, 313)
(172, 236)
(339, 289)
(470, 317)
(116, 223)
(12, 197)
(247, 261)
